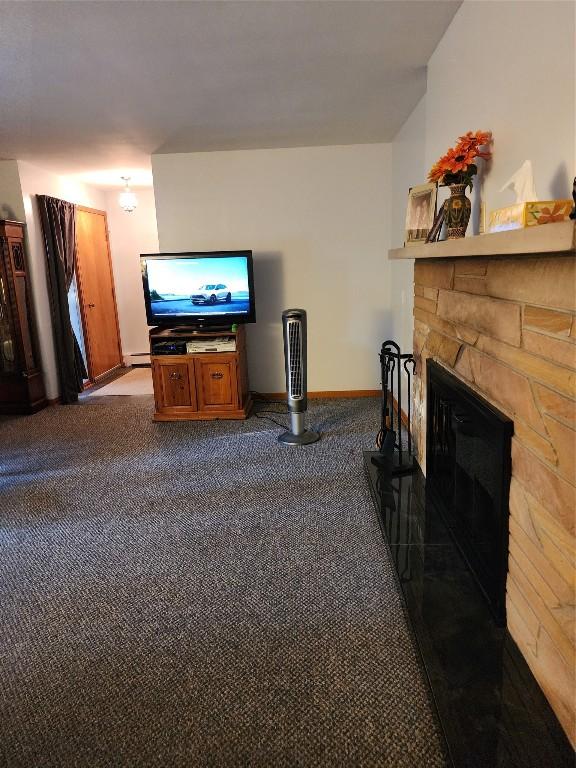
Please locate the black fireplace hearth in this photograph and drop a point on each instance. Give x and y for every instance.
(489, 705)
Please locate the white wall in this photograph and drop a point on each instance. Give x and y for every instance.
(11, 203)
(508, 67)
(36, 181)
(408, 170)
(485, 74)
(317, 221)
(130, 235)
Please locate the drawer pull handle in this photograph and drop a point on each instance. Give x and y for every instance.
(175, 375)
(216, 375)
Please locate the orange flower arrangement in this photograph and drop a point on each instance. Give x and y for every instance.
(458, 165)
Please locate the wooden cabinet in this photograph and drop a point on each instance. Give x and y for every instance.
(21, 381)
(203, 385)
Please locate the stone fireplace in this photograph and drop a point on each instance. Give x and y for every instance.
(498, 313)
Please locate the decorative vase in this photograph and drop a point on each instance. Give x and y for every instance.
(457, 212)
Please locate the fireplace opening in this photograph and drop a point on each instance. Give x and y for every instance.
(468, 468)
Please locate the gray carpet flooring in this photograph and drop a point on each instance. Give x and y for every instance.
(195, 594)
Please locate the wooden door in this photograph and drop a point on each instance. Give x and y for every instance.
(216, 382)
(96, 293)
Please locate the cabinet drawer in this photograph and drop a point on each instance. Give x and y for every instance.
(173, 384)
(216, 381)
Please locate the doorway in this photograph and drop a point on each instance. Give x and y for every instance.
(96, 295)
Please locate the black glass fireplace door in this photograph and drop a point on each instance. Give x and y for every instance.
(468, 467)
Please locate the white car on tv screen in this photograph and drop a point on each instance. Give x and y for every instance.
(211, 293)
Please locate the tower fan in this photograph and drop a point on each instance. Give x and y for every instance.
(294, 330)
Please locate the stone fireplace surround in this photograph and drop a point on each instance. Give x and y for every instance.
(498, 312)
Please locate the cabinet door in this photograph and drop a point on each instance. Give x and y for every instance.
(174, 384)
(8, 348)
(23, 308)
(216, 382)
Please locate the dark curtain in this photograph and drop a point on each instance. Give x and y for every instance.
(59, 228)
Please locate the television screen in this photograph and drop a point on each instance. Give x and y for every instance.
(198, 288)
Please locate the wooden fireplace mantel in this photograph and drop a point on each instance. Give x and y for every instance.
(553, 239)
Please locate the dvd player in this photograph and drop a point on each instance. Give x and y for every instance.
(169, 348)
(220, 344)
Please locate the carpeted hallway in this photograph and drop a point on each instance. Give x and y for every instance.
(195, 594)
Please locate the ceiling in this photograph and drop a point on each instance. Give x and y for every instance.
(97, 87)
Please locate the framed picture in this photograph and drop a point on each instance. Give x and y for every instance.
(434, 233)
(421, 213)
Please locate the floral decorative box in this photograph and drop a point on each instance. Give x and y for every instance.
(529, 214)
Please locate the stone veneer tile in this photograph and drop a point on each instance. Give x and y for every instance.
(470, 267)
(470, 284)
(433, 321)
(553, 674)
(439, 274)
(517, 602)
(558, 377)
(556, 616)
(547, 320)
(548, 281)
(558, 406)
(555, 592)
(442, 347)
(469, 335)
(553, 539)
(463, 365)
(426, 304)
(419, 339)
(528, 599)
(557, 350)
(564, 442)
(547, 487)
(532, 439)
(430, 293)
(503, 386)
(495, 318)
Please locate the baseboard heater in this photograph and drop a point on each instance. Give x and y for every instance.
(137, 358)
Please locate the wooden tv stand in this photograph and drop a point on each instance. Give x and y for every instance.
(201, 385)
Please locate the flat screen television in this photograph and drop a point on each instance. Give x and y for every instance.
(214, 289)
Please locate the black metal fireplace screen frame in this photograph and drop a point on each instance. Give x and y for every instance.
(468, 472)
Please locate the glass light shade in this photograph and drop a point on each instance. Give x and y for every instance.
(128, 200)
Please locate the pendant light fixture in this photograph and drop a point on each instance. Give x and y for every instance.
(128, 200)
